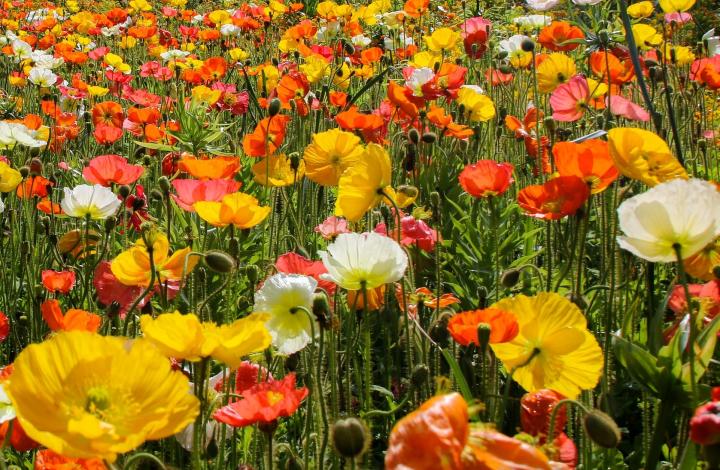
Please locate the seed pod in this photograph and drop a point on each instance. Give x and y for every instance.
(510, 278)
(601, 429)
(350, 437)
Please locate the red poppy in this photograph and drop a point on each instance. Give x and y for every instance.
(486, 178)
(441, 425)
(293, 263)
(19, 440)
(557, 198)
(4, 326)
(214, 68)
(58, 281)
(110, 290)
(46, 459)
(107, 169)
(536, 409)
(263, 403)
(705, 424)
(463, 327)
(190, 191)
(74, 319)
(476, 32)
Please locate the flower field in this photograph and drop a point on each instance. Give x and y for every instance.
(412, 235)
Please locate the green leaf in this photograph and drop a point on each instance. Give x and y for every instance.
(640, 364)
(155, 146)
(457, 373)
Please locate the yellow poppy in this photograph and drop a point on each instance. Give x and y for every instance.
(330, 154)
(442, 39)
(555, 70)
(554, 348)
(478, 106)
(132, 266)
(643, 155)
(238, 209)
(641, 9)
(364, 185)
(185, 337)
(90, 396)
(280, 171)
(10, 178)
(646, 37)
(673, 6)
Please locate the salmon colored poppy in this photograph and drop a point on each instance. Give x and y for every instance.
(210, 168)
(557, 198)
(441, 425)
(108, 169)
(560, 36)
(589, 160)
(73, 319)
(106, 135)
(488, 449)
(190, 191)
(486, 178)
(46, 459)
(476, 34)
(267, 136)
(463, 326)
(58, 281)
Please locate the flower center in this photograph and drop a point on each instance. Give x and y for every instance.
(97, 400)
(274, 397)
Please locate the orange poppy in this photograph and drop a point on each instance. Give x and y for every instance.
(486, 178)
(370, 125)
(557, 198)
(375, 299)
(34, 186)
(46, 459)
(488, 449)
(441, 425)
(463, 327)
(19, 440)
(108, 113)
(556, 35)
(267, 136)
(210, 168)
(619, 71)
(213, 69)
(416, 8)
(535, 410)
(58, 281)
(444, 121)
(589, 160)
(371, 55)
(48, 207)
(74, 319)
(338, 98)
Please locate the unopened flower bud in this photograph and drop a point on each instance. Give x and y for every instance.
(219, 261)
(274, 107)
(156, 195)
(253, 273)
(527, 45)
(110, 224)
(510, 278)
(124, 191)
(435, 199)
(483, 332)
(350, 437)
(24, 171)
(414, 136)
(504, 68)
(36, 166)
(601, 429)
(420, 375)
(429, 137)
(164, 184)
(321, 309)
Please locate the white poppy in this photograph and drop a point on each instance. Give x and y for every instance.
(42, 77)
(96, 202)
(7, 412)
(679, 212)
(283, 297)
(369, 259)
(418, 78)
(542, 5)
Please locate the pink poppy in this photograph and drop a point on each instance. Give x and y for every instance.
(678, 17)
(98, 53)
(332, 227)
(623, 107)
(570, 99)
(190, 191)
(412, 231)
(107, 169)
(475, 33)
(110, 290)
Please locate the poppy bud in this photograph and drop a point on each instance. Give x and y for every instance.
(274, 107)
(294, 161)
(601, 429)
(510, 277)
(252, 272)
(501, 55)
(429, 137)
(147, 160)
(124, 191)
(36, 166)
(408, 191)
(420, 375)
(349, 48)
(483, 332)
(24, 171)
(110, 223)
(321, 309)
(504, 68)
(716, 271)
(577, 299)
(414, 136)
(435, 199)
(164, 184)
(113, 309)
(549, 124)
(156, 195)
(350, 437)
(604, 37)
(527, 45)
(220, 262)
(438, 329)
(409, 161)
(291, 362)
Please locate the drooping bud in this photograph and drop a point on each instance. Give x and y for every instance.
(274, 107)
(510, 278)
(601, 429)
(350, 437)
(220, 262)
